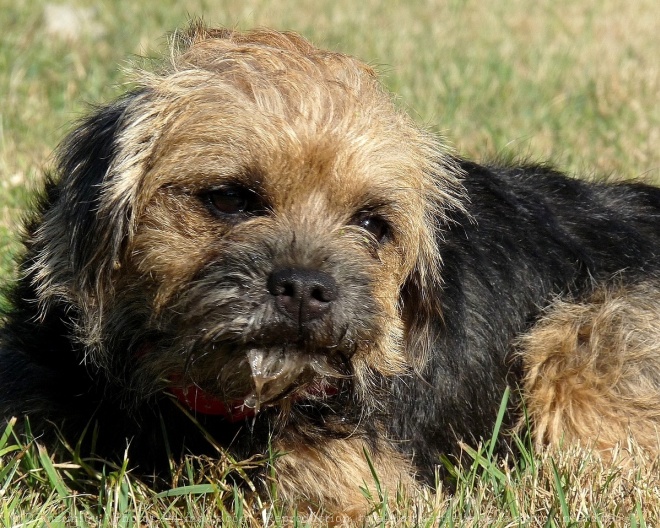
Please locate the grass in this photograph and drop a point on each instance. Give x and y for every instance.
(574, 82)
(570, 487)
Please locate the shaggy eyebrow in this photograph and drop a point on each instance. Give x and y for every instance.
(249, 178)
(378, 202)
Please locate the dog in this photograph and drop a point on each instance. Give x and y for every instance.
(258, 238)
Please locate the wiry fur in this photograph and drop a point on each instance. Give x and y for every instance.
(136, 284)
(594, 369)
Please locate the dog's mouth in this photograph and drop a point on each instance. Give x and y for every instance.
(275, 375)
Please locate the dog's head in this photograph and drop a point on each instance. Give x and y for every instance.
(256, 221)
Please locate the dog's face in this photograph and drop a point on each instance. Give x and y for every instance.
(263, 206)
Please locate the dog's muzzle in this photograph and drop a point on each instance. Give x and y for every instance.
(289, 367)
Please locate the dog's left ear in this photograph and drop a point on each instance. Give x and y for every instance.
(80, 235)
(421, 312)
(422, 293)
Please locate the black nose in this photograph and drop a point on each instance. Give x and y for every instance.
(302, 294)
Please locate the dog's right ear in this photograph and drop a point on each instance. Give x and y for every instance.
(80, 235)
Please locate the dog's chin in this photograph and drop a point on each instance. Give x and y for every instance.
(263, 378)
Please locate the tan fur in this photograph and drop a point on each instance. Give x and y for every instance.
(328, 476)
(593, 370)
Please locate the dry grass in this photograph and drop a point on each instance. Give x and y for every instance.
(576, 82)
(570, 487)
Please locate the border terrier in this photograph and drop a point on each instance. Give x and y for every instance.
(258, 237)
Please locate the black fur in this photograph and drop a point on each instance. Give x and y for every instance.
(528, 235)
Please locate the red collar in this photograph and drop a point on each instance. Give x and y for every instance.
(202, 402)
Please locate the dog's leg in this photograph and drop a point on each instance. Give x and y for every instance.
(336, 476)
(593, 369)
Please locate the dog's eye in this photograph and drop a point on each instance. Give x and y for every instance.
(376, 225)
(233, 201)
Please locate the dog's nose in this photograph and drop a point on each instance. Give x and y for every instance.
(302, 294)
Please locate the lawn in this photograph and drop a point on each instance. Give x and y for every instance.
(577, 83)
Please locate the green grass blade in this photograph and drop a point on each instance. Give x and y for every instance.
(561, 495)
(195, 489)
(498, 422)
(54, 477)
